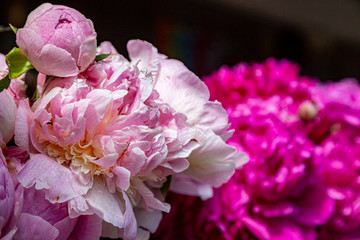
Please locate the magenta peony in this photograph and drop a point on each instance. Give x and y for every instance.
(337, 131)
(57, 40)
(302, 179)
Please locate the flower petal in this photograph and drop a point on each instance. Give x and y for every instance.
(45, 173)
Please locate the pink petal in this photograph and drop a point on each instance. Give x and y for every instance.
(191, 93)
(150, 201)
(45, 173)
(183, 184)
(315, 207)
(22, 126)
(122, 177)
(87, 52)
(38, 12)
(149, 220)
(30, 42)
(215, 161)
(107, 161)
(145, 55)
(106, 205)
(55, 61)
(34, 227)
(87, 227)
(7, 116)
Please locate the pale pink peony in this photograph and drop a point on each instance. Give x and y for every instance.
(57, 40)
(105, 141)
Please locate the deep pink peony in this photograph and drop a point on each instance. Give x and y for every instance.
(264, 80)
(105, 141)
(302, 179)
(337, 131)
(58, 40)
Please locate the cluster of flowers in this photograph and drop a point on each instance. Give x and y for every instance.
(302, 180)
(91, 142)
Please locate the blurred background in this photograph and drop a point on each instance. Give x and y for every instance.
(323, 36)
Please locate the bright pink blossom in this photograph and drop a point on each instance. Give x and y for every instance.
(337, 130)
(263, 80)
(57, 40)
(279, 193)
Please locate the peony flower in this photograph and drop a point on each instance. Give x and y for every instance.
(279, 193)
(264, 80)
(336, 130)
(57, 40)
(105, 141)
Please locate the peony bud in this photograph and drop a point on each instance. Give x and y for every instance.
(58, 40)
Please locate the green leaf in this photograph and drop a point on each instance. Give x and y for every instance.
(4, 83)
(17, 62)
(101, 57)
(13, 28)
(31, 82)
(166, 186)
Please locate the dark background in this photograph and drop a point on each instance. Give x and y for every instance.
(323, 36)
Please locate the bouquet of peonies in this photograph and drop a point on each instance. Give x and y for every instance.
(91, 142)
(302, 180)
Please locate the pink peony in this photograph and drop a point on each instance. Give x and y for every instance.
(105, 141)
(58, 40)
